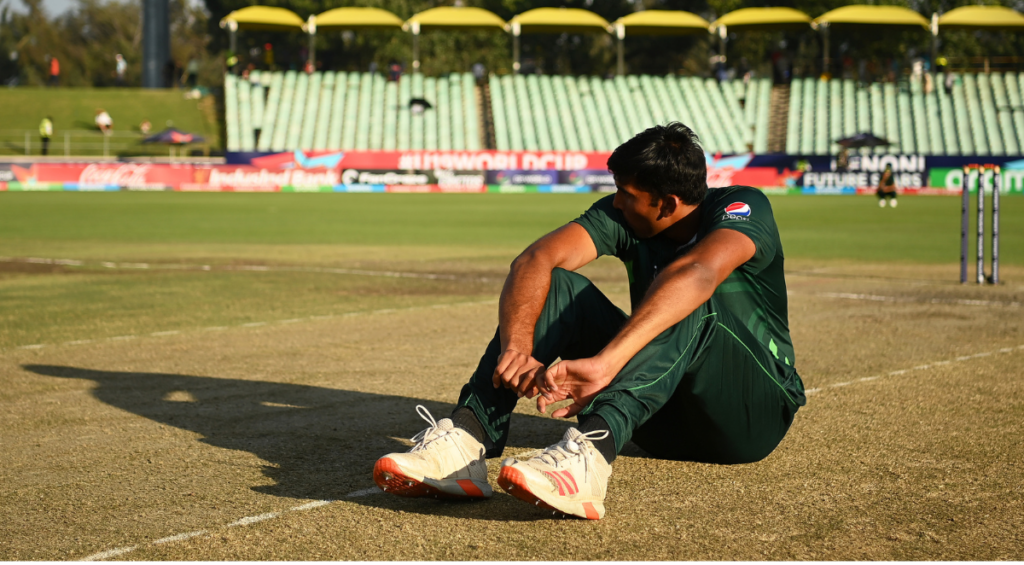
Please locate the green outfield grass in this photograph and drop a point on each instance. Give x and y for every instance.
(75, 109)
(471, 236)
(921, 230)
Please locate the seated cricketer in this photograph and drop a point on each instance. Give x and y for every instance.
(701, 371)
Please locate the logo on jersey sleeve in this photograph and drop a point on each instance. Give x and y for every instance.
(738, 209)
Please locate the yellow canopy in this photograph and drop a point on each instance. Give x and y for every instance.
(267, 18)
(663, 22)
(455, 18)
(754, 19)
(982, 17)
(357, 18)
(874, 15)
(558, 20)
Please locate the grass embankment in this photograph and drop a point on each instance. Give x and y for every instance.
(466, 235)
(75, 109)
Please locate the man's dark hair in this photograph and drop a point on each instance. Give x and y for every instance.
(663, 160)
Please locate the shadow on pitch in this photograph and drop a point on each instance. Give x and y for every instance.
(319, 443)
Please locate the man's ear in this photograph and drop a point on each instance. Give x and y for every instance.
(669, 204)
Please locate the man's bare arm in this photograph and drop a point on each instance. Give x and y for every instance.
(523, 296)
(683, 286)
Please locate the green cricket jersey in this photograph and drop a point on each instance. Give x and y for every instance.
(755, 292)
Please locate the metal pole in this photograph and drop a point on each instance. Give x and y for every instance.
(965, 204)
(981, 226)
(620, 35)
(516, 65)
(825, 48)
(935, 39)
(415, 47)
(311, 30)
(722, 34)
(997, 186)
(27, 141)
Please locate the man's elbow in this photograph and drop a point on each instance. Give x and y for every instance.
(531, 258)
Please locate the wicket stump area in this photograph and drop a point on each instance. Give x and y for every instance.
(979, 174)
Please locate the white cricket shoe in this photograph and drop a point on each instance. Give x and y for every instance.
(570, 477)
(446, 462)
(881, 202)
(892, 203)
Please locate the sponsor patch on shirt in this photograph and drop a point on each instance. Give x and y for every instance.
(737, 211)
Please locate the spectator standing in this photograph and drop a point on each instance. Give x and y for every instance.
(45, 133)
(192, 72)
(104, 122)
(887, 188)
(268, 56)
(54, 72)
(120, 67)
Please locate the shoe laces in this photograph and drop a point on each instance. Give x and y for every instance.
(571, 447)
(432, 433)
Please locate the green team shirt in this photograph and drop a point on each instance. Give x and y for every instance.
(755, 292)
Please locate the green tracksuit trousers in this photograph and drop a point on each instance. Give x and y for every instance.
(704, 390)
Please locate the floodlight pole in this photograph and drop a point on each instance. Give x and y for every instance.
(311, 30)
(620, 35)
(935, 38)
(516, 31)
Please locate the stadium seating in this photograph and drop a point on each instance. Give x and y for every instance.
(280, 111)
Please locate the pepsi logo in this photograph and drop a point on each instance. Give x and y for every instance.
(737, 209)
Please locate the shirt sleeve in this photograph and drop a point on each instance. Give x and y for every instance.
(749, 212)
(607, 227)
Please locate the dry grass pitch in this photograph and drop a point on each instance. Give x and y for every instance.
(255, 438)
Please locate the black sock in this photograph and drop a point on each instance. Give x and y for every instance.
(464, 418)
(606, 446)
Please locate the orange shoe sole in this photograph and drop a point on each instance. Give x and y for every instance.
(390, 478)
(512, 481)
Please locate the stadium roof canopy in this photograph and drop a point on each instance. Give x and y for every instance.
(662, 22)
(557, 20)
(872, 15)
(455, 19)
(357, 18)
(266, 18)
(757, 19)
(982, 17)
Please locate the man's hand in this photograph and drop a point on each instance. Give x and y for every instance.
(516, 371)
(579, 379)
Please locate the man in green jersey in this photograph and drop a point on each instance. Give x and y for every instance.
(701, 371)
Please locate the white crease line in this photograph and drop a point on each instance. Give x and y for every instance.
(253, 519)
(110, 553)
(254, 268)
(311, 505)
(364, 492)
(816, 390)
(878, 298)
(240, 522)
(179, 537)
(258, 324)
